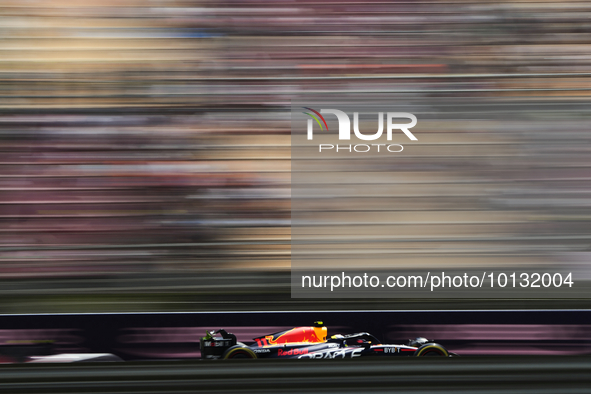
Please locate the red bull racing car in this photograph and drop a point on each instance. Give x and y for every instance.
(312, 343)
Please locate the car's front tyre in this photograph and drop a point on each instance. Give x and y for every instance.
(431, 350)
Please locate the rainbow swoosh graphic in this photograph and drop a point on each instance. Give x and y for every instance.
(315, 118)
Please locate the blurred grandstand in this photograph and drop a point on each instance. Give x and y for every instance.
(145, 146)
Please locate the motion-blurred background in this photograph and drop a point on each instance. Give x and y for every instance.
(145, 145)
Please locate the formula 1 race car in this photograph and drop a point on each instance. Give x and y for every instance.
(311, 342)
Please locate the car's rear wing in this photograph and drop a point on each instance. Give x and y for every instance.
(213, 347)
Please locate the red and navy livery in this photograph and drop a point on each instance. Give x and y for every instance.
(312, 343)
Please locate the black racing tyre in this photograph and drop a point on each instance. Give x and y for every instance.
(239, 351)
(431, 350)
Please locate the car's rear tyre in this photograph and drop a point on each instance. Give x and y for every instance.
(431, 350)
(238, 351)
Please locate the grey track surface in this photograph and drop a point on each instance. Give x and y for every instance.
(405, 375)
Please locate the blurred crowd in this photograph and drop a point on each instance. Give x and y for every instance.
(153, 137)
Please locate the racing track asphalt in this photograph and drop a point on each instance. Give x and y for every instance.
(520, 375)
